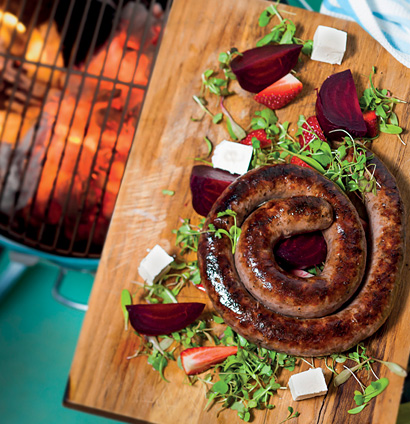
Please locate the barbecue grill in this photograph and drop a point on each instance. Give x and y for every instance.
(73, 76)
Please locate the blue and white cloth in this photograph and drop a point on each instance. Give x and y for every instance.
(387, 21)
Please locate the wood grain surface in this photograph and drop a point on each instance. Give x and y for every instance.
(102, 380)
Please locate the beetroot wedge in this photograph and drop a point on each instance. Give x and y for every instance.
(337, 107)
(301, 251)
(163, 318)
(207, 184)
(260, 67)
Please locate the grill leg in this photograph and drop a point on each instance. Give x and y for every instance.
(63, 299)
(19, 262)
(10, 276)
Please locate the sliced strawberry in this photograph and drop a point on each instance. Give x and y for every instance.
(301, 273)
(297, 161)
(260, 135)
(198, 359)
(312, 130)
(280, 93)
(372, 123)
(200, 287)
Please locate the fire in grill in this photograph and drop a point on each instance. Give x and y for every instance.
(73, 77)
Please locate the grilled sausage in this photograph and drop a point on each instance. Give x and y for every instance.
(285, 293)
(349, 324)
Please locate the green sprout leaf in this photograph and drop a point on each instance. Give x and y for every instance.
(282, 33)
(357, 409)
(291, 415)
(395, 368)
(209, 145)
(235, 130)
(126, 299)
(217, 118)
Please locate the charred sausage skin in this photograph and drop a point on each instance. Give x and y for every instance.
(353, 322)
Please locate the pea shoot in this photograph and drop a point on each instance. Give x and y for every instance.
(234, 231)
(383, 102)
(282, 33)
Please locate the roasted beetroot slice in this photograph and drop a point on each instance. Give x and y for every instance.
(260, 67)
(301, 251)
(337, 107)
(163, 318)
(207, 184)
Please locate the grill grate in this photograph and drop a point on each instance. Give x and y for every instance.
(75, 115)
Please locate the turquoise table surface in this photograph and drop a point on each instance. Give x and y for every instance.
(37, 341)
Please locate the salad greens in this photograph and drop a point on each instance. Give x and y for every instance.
(382, 101)
(282, 33)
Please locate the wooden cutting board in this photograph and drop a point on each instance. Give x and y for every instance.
(102, 380)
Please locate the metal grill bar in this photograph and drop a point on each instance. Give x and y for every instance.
(63, 33)
(69, 250)
(60, 244)
(73, 71)
(20, 68)
(121, 122)
(53, 129)
(144, 36)
(14, 34)
(12, 99)
(73, 55)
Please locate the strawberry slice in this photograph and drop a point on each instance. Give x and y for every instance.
(297, 161)
(260, 135)
(311, 130)
(200, 287)
(301, 273)
(198, 359)
(280, 93)
(372, 123)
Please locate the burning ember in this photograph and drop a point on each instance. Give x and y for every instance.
(65, 133)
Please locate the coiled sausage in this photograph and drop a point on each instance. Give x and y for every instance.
(353, 321)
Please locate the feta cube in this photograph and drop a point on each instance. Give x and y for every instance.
(308, 384)
(154, 265)
(329, 45)
(232, 157)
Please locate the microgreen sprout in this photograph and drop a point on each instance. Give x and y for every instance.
(282, 33)
(126, 299)
(202, 104)
(382, 101)
(363, 361)
(214, 84)
(209, 145)
(225, 59)
(371, 391)
(248, 379)
(291, 415)
(235, 130)
(234, 231)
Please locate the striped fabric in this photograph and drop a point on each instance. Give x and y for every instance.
(387, 21)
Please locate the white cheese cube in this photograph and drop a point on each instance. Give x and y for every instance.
(232, 157)
(308, 384)
(154, 264)
(329, 45)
